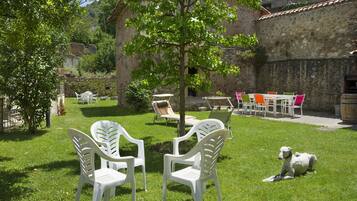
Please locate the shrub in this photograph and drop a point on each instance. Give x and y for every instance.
(138, 95)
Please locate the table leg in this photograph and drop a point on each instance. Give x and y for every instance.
(274, 107)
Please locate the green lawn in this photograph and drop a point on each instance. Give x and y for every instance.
(45, 167)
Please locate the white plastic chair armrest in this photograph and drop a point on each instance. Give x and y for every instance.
(177, 140)
(139, 143)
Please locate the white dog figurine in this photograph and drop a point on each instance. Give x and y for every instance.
(294, 164)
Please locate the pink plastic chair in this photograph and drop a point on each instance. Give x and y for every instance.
(239, 95)
(298, 102)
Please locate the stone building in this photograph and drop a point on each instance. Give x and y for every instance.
(75, 52)
(307, 50)
(275, 5)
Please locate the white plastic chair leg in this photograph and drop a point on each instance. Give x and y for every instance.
(107, 195)
(164, 189)
(97, 192)
(144, 177)
(79, 189)
(133, 191)
(199, 191)
(112, 192)
(218, 189)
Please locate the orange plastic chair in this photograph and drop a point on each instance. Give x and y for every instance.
(260, 104)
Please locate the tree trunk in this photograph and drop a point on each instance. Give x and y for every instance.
(182, 76)
(182, 91)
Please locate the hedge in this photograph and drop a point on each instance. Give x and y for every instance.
(100, 86)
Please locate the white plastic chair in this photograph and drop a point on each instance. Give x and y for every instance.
(79, 98)
(104, 180)
(201, 129)
(197, 175)
(109, 133)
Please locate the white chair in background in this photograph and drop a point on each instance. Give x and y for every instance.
(108, 133)
(205, 169)
(201, 129)
(104, 180)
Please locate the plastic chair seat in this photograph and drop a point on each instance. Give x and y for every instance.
(191, 174)
(109, 177)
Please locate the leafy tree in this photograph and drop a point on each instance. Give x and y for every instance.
(104, 11)
(32, 42)
(174, 35)
(82, 29)
(104, 59)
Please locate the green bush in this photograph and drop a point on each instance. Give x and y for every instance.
(138, 95)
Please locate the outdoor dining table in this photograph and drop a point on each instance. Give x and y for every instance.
(275, 98)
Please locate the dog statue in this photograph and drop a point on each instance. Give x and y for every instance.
(294, 164)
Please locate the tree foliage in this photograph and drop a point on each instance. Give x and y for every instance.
(104, 11)
(91, 27)
(174, 35)
(32, 42)
(104, 59)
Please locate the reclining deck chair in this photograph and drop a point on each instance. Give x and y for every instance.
(164, 110)
(224, 115)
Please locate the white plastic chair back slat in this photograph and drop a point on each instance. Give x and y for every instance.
(201, 129)
(107, 132)
(86, 155)
(209, 155)
(205, 127)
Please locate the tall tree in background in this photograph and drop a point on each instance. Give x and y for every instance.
(33, 40)
(174, 35)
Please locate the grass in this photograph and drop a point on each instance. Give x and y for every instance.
(44, 167)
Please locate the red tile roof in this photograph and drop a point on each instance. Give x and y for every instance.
(303, 9)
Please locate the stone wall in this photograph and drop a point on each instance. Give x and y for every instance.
(105, 86)
(325, 32)
(320, 79)
(308, 51)
(245, 81)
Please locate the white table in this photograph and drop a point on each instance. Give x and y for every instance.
(275, 98)
(216, 98)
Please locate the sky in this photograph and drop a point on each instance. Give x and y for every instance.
(84, 3)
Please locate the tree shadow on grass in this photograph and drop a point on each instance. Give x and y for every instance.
(12, 183)
(164, 124)
(73, 165)
(5, 158)
(20, 135)
(107, 111)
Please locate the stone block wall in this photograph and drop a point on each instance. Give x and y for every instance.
(245, 81)
(309, 51)
(105, 86)
(321, 80)
(325, 32)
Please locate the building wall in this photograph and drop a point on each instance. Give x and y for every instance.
(320, 79)
(309, 52)
(246, 78)
(325, 32)
(124, 64)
